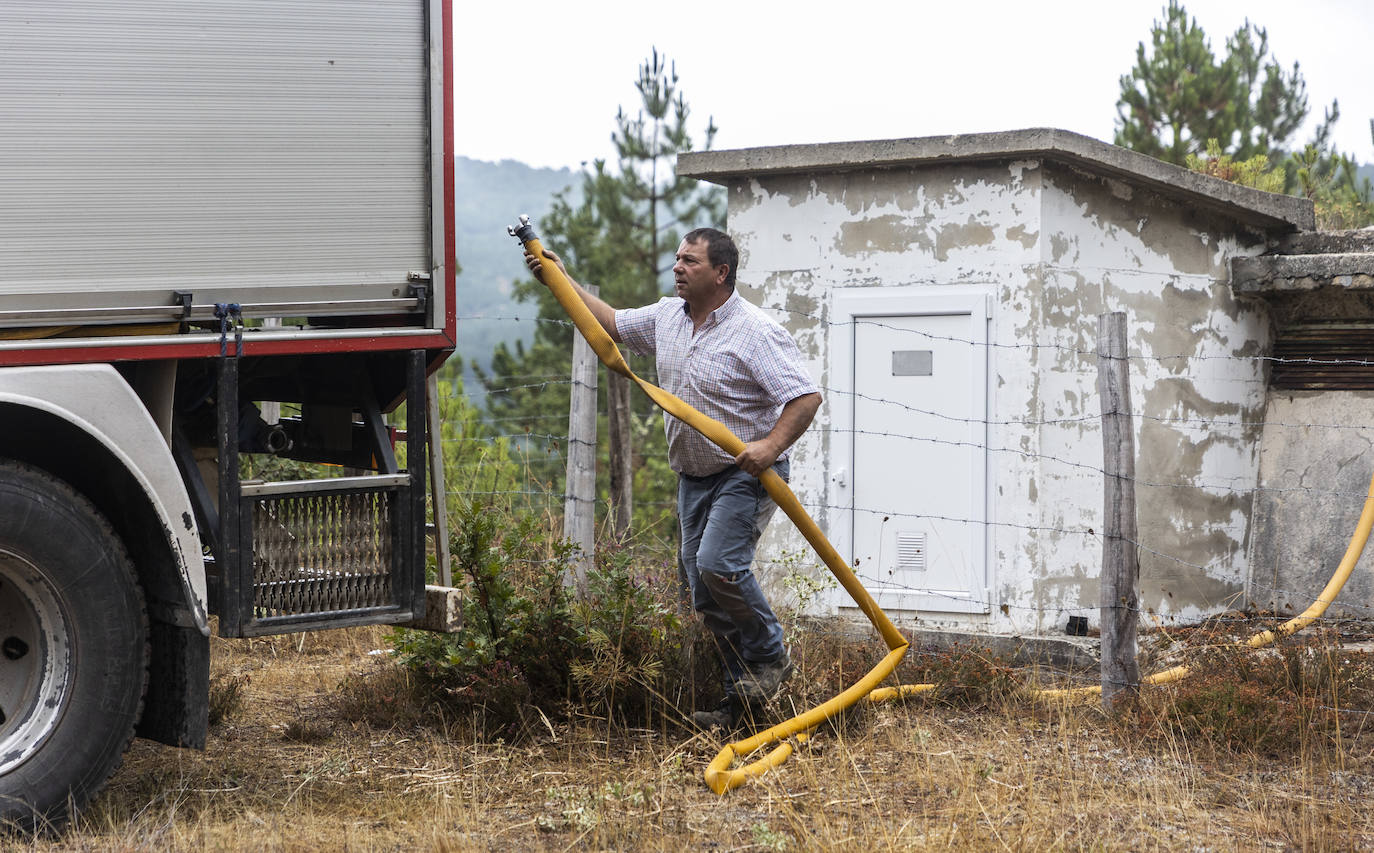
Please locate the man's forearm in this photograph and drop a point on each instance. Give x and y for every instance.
(604, 313)
(795, 417)
(792, 422)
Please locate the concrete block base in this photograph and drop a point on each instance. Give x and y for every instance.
(443, 613)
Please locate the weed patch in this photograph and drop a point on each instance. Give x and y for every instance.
(513, 652)
(965, 676)
(903, 776)
(226, 696)
(1282, 700)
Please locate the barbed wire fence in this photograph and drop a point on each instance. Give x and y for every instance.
(539, 445)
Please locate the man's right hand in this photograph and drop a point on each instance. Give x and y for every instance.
(536, 266)
(604, 314)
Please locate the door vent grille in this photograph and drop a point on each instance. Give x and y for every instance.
(911, 552)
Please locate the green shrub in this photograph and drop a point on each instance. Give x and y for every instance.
(514, 650)
(527, 647)
(631, 639)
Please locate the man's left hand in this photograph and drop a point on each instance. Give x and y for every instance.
(758, 456)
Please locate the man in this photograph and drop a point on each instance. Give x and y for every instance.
(727, 359)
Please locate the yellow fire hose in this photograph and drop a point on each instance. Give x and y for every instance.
(721, 776)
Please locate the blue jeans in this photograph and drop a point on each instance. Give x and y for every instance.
(722, 517)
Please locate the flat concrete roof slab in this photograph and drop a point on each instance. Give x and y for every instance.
(1270, 211)
(1310, 261)
(1301, 272)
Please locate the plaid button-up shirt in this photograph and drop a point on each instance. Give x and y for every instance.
(741, 367)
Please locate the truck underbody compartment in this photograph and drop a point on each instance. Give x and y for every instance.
(329, 551)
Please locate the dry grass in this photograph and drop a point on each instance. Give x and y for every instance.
(303, 764)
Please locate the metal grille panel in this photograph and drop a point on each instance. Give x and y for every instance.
(321, 553)
(1324, 357)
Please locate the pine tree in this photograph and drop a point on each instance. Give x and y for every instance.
(1235, 117)
(1179, 94)
(621, 235)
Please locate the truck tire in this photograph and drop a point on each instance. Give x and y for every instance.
(73, 649)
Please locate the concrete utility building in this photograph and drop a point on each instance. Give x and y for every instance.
(947, 292)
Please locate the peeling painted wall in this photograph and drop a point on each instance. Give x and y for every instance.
(1196, 385)
(1055, 247)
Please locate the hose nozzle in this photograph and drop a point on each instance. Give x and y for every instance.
(525, 232)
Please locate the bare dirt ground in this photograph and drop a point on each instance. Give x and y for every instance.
(295, 768)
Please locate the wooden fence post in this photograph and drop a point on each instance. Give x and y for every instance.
(1120, 561)
(579, 500)
(620, 454)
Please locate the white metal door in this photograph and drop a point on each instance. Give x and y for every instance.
(916, 499)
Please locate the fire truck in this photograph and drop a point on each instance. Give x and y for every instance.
(226, 228)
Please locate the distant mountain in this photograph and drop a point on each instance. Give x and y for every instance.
(487, 198)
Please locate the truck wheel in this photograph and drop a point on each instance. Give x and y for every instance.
(73, 649)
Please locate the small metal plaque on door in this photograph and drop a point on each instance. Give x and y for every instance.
(912, 362)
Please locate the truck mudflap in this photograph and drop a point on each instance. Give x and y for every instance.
(96, 399)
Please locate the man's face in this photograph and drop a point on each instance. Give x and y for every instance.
(694, 279)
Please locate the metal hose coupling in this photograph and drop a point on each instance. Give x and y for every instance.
(525, 232)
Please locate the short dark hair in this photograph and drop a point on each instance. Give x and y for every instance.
(720, 249)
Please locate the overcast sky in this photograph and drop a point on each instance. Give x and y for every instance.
(540, 80)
